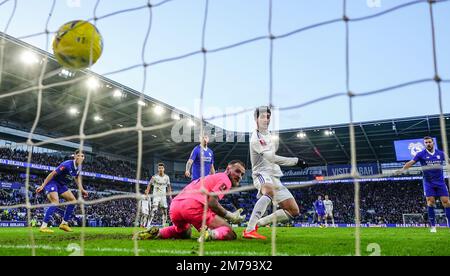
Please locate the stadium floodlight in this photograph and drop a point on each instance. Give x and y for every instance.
(158, 110)
(120, 125)
(117, 93)
(93, 83)
(154, 136)
(29, 58)
(97, 118)
(141, 103)
(176, 116)
(73, 111)
(329, 132)
(301, 135)
(65, 73)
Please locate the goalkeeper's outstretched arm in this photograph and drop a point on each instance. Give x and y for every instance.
(216, 207)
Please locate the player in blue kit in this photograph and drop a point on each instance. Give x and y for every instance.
(432, 161)
(55, 185)
(320, 210)
(195, 160)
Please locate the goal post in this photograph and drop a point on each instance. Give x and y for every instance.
(413, 219)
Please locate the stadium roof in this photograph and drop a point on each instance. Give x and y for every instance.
(319, 145)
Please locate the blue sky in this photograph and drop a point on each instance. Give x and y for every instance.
(384, 51)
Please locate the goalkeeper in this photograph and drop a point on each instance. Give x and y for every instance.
(187, 208)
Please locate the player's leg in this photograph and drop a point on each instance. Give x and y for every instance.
(69, 197)
(181, 213)
(155, 206)
(181, 228)
(446, 204)
(164, 216)
(218, 229)
(287, 211)
(266, 189)
(325, 218)
(144, 213)
(431, 205)
(54, 199)
(163, 205)
(320, 219)
(144, 219)
(288, 207)
(442, 193)
(259, 210)
(430, 194)
(332, 219)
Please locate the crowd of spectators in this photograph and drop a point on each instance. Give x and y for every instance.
(380, 202)
(98, 164)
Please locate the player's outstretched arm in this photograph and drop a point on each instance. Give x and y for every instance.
(47, 179)
(216, 207)
(80, 187)
(408, 165)
(270, 156)
(284, 161)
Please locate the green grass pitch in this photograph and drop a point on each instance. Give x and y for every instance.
(290, 241)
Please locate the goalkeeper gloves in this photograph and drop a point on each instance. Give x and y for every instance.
(236, 216)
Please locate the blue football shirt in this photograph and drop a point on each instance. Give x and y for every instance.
(432, 176)
(66, 171)
(208, 158)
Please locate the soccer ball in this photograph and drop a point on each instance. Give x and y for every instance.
(77, 45)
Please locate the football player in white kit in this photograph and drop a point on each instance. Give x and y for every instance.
(145, 203)
(266, 177)
(161, 184)
(328, 210)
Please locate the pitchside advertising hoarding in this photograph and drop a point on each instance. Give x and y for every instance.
(7, 224)
(8, 185)
(405, 150)
(364, 169)
(308, 173)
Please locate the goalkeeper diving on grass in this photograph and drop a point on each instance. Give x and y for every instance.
(187, 208)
